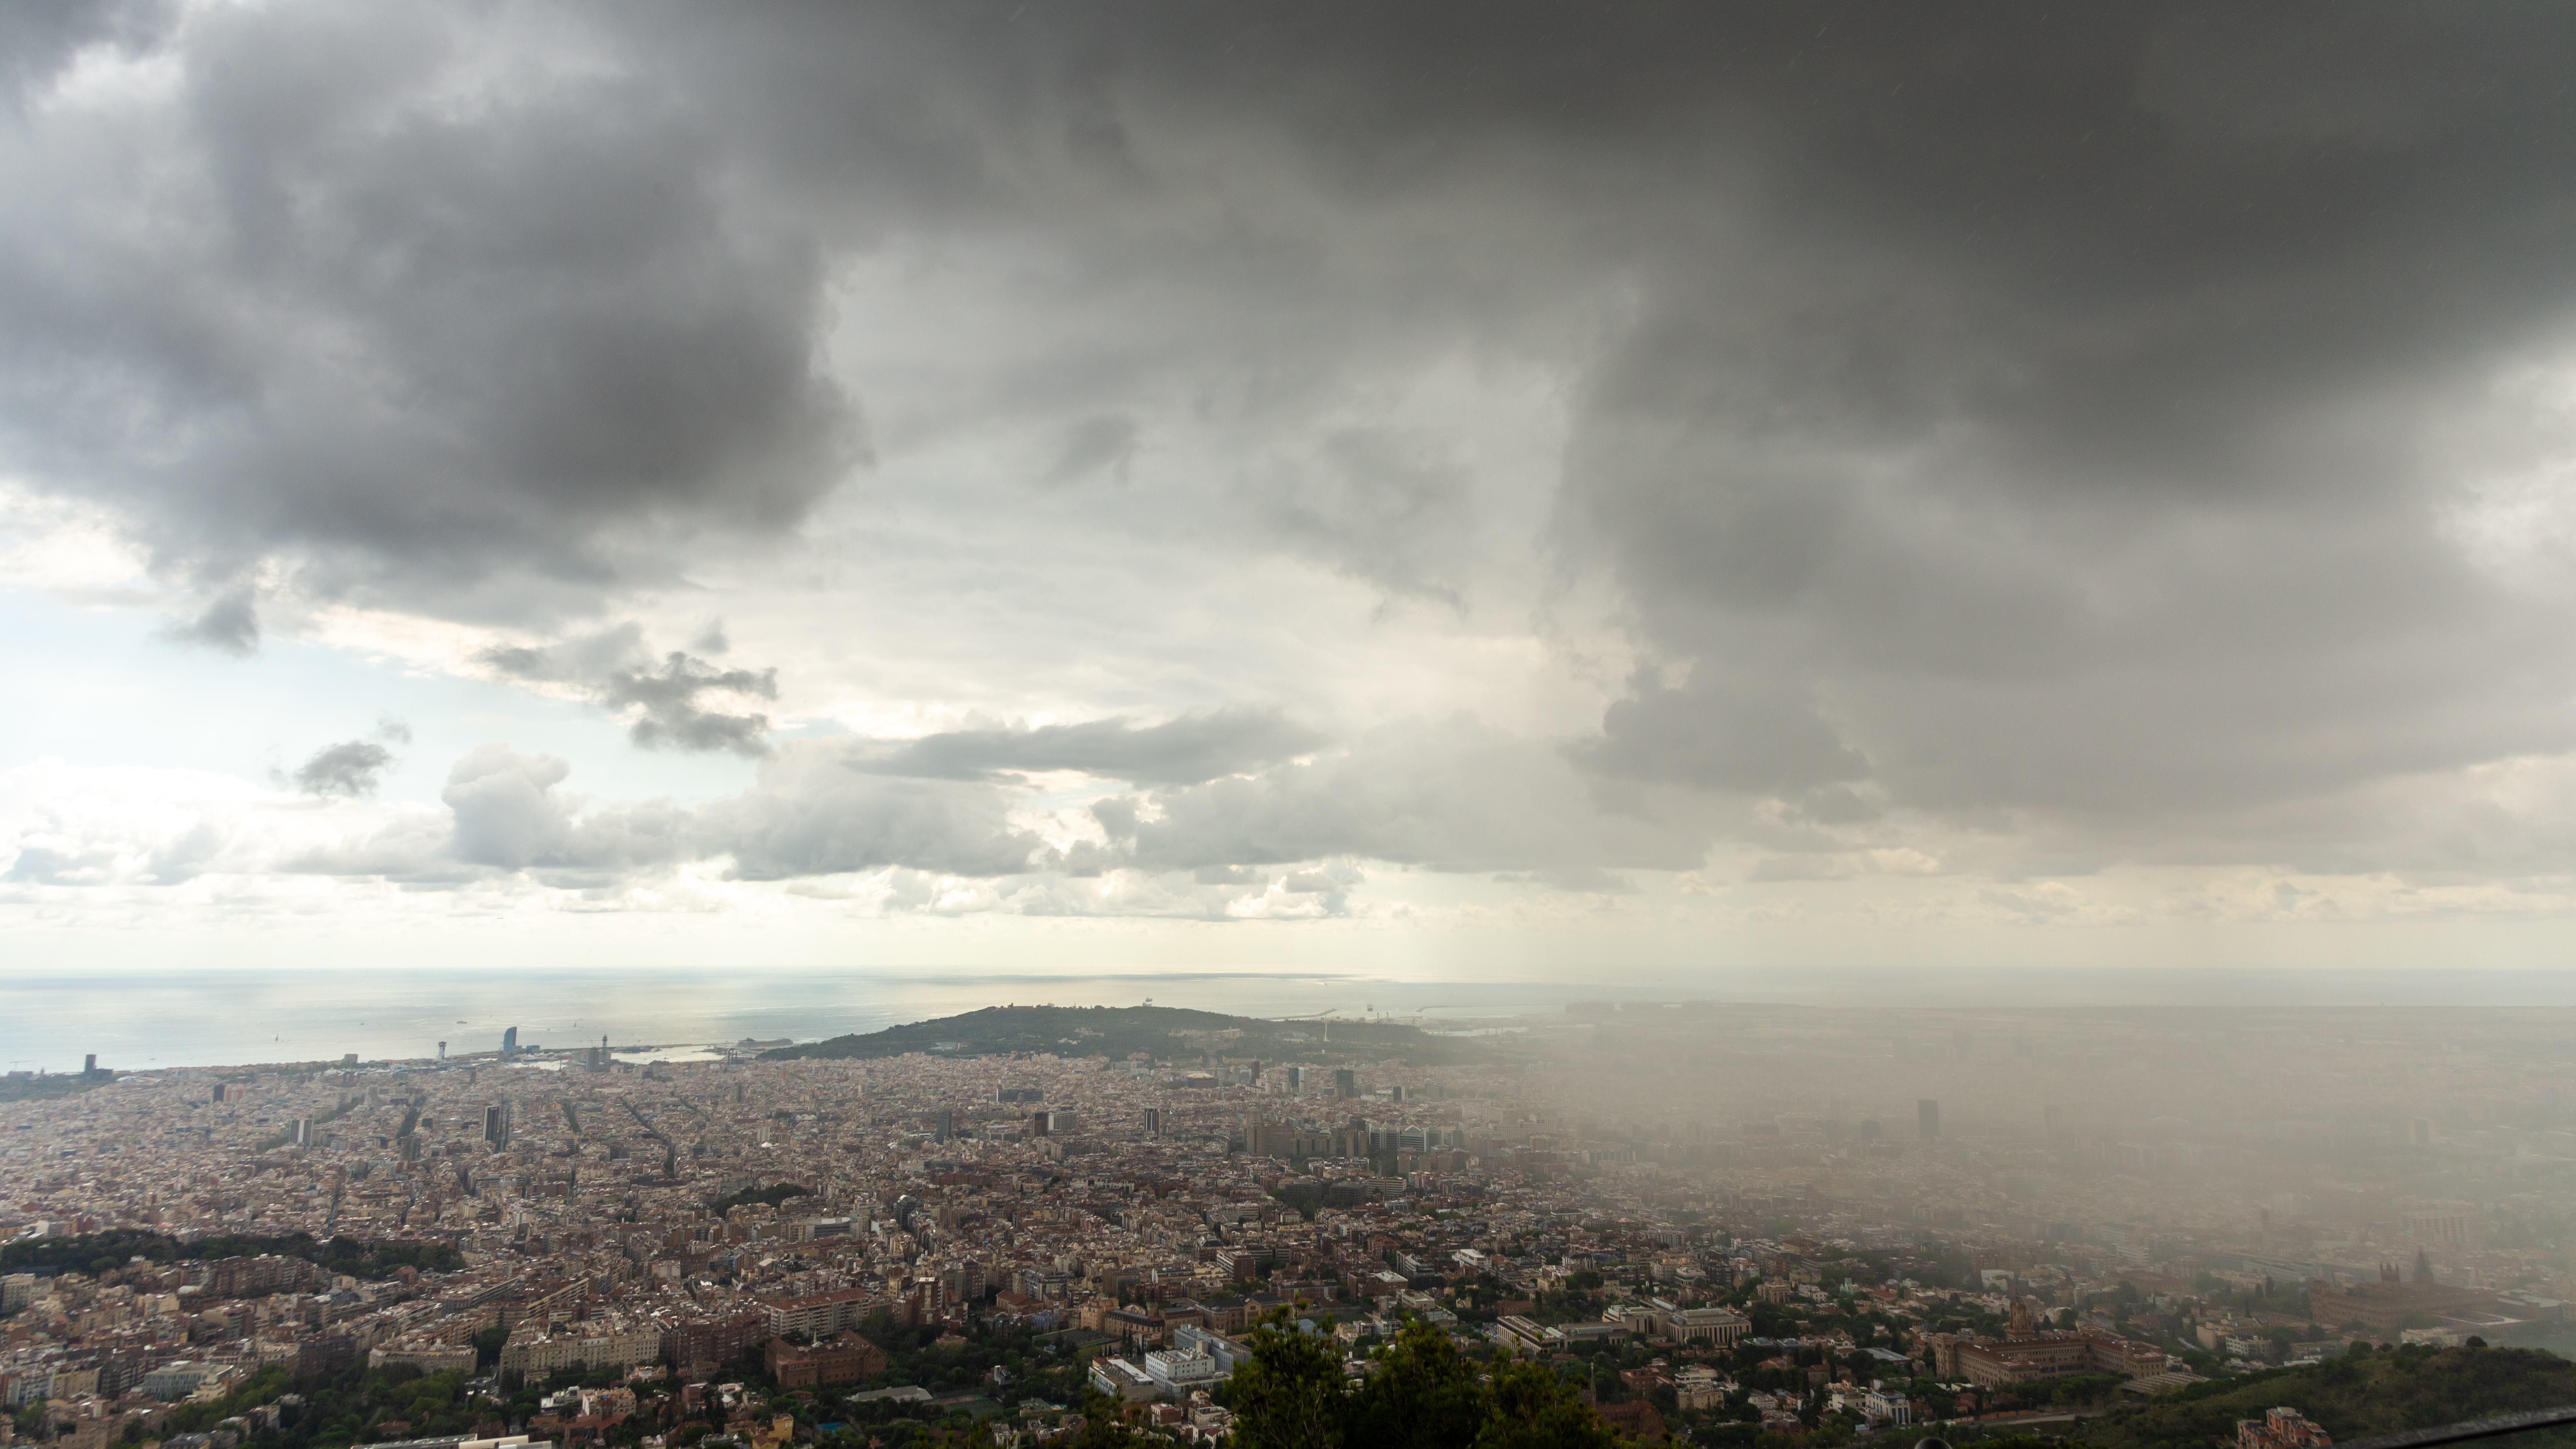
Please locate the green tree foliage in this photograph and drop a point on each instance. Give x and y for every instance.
(1534, 1409)
(1289, 1396)
(1424, 1394)
(2352, 1397)
(772, 1195)
(357, 1257)
(1104, 1426)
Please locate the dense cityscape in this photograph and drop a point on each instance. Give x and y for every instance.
(1712, 1222)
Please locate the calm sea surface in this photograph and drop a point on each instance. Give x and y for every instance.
(210, 1018)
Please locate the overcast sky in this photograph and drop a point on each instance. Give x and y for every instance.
(1433, 488)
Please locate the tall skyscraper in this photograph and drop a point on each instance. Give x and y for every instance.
(1153, 1121)
(1927, 1116)
(496, 1124)
(1346, 1083)
(947, 1124)
(510, 1041)
(1296, 1079)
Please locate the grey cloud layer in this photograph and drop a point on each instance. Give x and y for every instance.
(1184, 751)
(347, 768)
(1451, 795)
(2047, 421)
(379, 300)
(665, 697)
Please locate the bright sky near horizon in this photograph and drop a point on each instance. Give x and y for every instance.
(1476, 492)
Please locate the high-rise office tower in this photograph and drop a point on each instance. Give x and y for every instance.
(1153, 1121)
(1927, 1116)
(300, 1131)
(1346, 1083)
(947, 1124)
(1296, 1079)
(510, 1041)
(496, 1124)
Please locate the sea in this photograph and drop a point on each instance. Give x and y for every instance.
(140, 1020)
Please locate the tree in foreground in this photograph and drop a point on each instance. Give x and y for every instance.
(1423, 1394)
(1534, 1409)
(1289, 1395)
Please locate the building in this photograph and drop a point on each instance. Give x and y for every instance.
(1719, 1326)
(818, 1316)
(1153, 1121)
(1635, 1420)
(713, 1340)
(510, 1042)
(187, 1379)
(2027, 1355)
(2386, 1305)
(1178, 1371)
(426, 1355)
(1516, 1332)
(536, 1349)
(1225, 1351)
(1346, 1083)
(848, 1358)
(946, 1130)
(2448, 1227)
(258, 1277)
(1886, 1406)
(2281, 1429)
(496, 1122)
(1698, 1387)
(1927, 1118)
(1123, 1380)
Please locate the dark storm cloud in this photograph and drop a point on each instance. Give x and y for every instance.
(439, 331)
(1996, 412)
(1183, 751)
(38, 36)
(1096, 445)
(347, 768)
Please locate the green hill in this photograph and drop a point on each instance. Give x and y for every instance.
(1165, 1033)
(2354, 1398)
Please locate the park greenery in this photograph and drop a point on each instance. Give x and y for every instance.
(1163, 1033)
(369, 1258)
(771, 1196)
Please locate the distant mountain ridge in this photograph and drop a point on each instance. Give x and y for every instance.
(1165, 1033)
